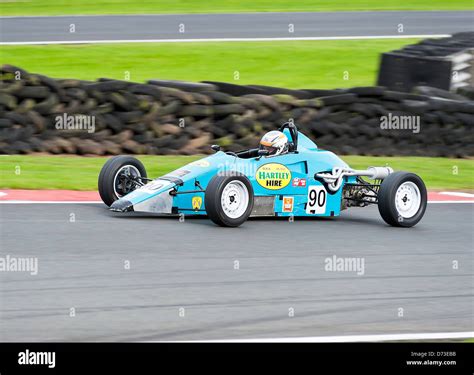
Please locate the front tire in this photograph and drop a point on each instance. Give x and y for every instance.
(115, 178)
(229, 200)
(402, 199)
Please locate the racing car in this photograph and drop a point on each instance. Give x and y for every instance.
(229, 187)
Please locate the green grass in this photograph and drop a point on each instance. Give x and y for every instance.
(80, 173)
(70, 172)
(58, 7)
(438, 173)
(293, 64)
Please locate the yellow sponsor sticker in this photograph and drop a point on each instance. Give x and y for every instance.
(273, 176)
(196, 202)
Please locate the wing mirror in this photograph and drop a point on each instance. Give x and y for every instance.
(216, 148)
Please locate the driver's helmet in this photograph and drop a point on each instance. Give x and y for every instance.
(275, 142)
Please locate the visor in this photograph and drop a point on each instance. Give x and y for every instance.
(271, 150)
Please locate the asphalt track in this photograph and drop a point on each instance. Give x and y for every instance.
(190, 265)
(232, 26)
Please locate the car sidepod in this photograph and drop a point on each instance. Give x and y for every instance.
(289, 185)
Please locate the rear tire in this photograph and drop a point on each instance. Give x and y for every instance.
(402, 199)
(110, 188)
(229, 200)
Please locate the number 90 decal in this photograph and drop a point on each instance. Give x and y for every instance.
(317, 198)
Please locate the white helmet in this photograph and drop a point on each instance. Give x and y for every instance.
(275, 142)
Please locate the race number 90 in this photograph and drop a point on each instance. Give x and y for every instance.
(317, 197)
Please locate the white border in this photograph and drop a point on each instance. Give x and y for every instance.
(457, 194)
(451, 201)
(197, 40)
(354, 338)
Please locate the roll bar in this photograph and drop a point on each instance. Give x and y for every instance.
(294, 135)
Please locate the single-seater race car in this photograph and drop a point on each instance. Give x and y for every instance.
(229, 187)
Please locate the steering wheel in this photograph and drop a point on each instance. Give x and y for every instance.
(293, 133)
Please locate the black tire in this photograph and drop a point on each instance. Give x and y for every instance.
(183, 86)
(338, 99)
(212, 200)
(235, 90)
(110, 170)
(387, 195)
(270, 90)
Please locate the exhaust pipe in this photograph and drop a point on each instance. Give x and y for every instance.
(379, 173)
(334, 179)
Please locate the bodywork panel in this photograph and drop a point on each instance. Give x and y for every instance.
(283, 185)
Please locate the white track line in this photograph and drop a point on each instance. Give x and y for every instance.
(197, 40)
(436, 202)
(356, 338)
(457, 194)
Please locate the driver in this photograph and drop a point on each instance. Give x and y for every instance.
(275, 142)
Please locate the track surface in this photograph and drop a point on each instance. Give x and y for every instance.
(191, 265)
(252, 25)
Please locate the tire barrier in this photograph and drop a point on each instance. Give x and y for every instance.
(445, 63)
(110, 117)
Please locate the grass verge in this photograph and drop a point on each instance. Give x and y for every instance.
(292, 64)
(59, 7)
(80, 173)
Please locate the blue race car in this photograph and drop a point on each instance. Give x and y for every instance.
(287, 175)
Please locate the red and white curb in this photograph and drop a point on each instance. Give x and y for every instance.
(450, 197)
(49, 196)
(71, 196)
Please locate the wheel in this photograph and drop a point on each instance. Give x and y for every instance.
(402, 199)
(116, 178)
(229, 200)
